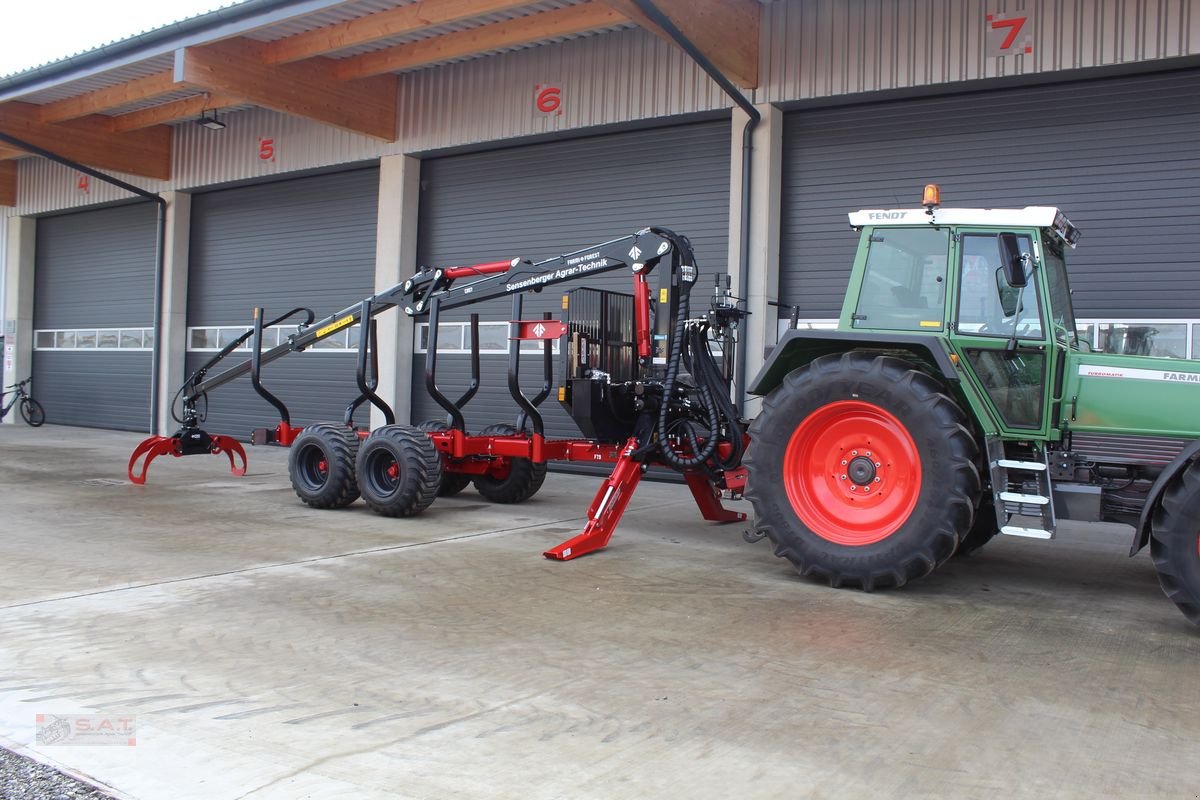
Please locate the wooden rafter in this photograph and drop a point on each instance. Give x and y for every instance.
(93, 141)
(8, 183)
(567, 21)
(172, 111)
(7, 152)
(382, 25)
(726, 31)
(311, 88)
(101, 100)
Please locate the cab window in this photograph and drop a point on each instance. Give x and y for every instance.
(904, 284)
(987, 305)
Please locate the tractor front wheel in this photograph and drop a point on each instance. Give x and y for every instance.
(321, 465)
(862, 471)
(399, 471)
(1175, 542)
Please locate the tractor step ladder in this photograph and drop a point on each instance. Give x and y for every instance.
(1037, 503)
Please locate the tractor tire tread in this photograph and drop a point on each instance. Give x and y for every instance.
(420, 466)
(340, 445)
(1174, 529)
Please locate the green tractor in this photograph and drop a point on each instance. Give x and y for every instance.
(955, 401)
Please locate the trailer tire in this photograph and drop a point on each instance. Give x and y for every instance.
(399, 471)
(880, 425)
(452, 482)
(321, 465)
(519, 482)
(1175, 541)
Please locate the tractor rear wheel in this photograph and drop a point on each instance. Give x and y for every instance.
(452, 482)
(399, 471)
(516, 480)
(1175, 541)
(982, 530)
(862, 471)
(321, 465)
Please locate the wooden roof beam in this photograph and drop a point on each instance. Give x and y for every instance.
(725, 31)
(311, 88)
(8, 183)
(382, 25)
(172, 111)
(100, 100)
(93, 141)
(567, 21)
(7, 152)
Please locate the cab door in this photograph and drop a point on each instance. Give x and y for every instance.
(1001, 333)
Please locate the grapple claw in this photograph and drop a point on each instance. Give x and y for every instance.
(187, 441)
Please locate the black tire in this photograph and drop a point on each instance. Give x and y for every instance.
(452, 482)
(869, 421)
(32, 412)
(519, 483)
(1175, 541)
(982, 530)
(399, 471)
(321, 465)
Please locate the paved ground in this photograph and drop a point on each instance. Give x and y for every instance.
(267, 650)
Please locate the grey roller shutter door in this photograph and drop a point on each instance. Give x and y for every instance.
(306, 242)
(1120, 156)
(543, 200)
(95, 269)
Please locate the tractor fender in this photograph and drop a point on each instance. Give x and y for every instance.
(798, 348)
(1141, 534)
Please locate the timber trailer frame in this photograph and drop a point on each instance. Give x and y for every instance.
(646, 388)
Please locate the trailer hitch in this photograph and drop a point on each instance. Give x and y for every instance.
(187, 441)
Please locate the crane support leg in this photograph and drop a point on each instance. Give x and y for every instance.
(606, 509)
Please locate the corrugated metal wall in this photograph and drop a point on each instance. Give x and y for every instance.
(305, 242)
(543, 200)
(824, 48)
(95, 269)
(1119, 156)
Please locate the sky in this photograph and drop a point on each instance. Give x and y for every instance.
(33, 32)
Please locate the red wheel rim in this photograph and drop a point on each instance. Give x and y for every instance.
(852, 473)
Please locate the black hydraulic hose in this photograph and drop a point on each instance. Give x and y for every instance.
(159, 252)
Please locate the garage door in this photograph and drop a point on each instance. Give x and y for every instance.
(1119, 156)
(93, 317)
(305, 242)
(543, 200)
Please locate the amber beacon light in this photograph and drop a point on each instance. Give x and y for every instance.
(932, 197)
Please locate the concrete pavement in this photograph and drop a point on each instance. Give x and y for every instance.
(270, 651)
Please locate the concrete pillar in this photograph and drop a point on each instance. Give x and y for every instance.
(18, 303)
(760, 331)
(395, 260)
(173, 348)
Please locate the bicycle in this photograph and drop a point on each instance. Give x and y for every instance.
(31, 410)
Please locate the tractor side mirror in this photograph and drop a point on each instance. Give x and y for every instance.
(1012, 260)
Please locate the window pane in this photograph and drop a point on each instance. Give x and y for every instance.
(904, 286)
(1158, 339)
(64, 339)
(107, 339)
(1196, 341)
(987, 305)
(450, 336)
(226, 336)
(423, 337)
(85, 338)
(493, 338)
(44, 339)
(131, 338)
(148, 338)
(354, 334)
(335, 341)
(1014, 383)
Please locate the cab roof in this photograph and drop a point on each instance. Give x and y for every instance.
(1028, 217)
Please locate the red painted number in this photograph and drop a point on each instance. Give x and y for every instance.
(84, 185)
(548, 100)
(266, 149)
(1014, 26)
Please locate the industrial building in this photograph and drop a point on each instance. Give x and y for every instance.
(310, 152)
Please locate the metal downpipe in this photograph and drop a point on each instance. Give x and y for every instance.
(660, 19)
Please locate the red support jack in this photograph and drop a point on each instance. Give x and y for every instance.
(708, 498)
(606, 509)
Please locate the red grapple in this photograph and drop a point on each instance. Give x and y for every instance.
(186, 442)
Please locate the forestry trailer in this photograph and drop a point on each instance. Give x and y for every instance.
(955, 401)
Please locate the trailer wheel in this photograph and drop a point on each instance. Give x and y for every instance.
(982, 530)
(399, 471)
(321, 465)
(452, 482)
(516, 479)
(862, 471)
(1175, 541)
